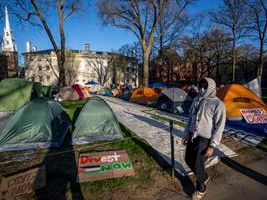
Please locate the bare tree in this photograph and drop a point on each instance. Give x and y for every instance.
(71, 67)
(207, 51)
(247, 58)
(233, 16)
(258, 25)
(50, 64)
(31, 10)
(172, 23)
(131, 54)
(141, 17)
(219, 52)
(100, 66)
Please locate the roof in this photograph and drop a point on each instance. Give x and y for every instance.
(83, 52)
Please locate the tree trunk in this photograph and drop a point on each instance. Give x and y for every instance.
(195, 72)
(145, 66)
(62, 77)
(260, 69)
(234, 60)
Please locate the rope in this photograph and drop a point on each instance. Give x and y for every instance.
(72, 150)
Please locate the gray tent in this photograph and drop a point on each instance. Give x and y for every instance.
(96, 122)
(41, 123)
(174, 100)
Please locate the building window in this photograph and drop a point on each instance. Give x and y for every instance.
(7, 42)
(77, 80)
(40, 68)
(83, 80)
(7, 34)
(48, 78)
(47, 67)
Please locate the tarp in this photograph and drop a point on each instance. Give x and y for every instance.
(257, 129)
(41, 123)
(255, 86)
(91, 83)
(236, 97)
(96, 122)
(14, 93)
(68, 93)
(144, 95)
(174, 100)
(157, 85)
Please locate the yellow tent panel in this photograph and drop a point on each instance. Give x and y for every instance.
(145, 95)
(237, 97)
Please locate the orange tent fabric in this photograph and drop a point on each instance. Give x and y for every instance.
(144, 95)
(237, 97)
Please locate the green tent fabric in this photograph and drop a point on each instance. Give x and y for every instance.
(44, 91)
(41, 123)
(96, 122)
(14, 93)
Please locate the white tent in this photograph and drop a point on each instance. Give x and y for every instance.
(255, 86)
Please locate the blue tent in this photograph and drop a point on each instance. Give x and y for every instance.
(157, 85)
(91, 83)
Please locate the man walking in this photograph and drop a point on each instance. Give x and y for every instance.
(203, 132)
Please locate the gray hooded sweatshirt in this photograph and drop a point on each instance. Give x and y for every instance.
(207, 115)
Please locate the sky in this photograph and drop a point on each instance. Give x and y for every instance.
(85, 28)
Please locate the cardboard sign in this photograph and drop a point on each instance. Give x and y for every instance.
(104, 165)
(254, 116)
(22, 183)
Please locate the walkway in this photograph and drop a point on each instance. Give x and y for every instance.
(157, 134)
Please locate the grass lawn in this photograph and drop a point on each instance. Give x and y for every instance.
(150, 178)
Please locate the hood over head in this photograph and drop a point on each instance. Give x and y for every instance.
(210, 92)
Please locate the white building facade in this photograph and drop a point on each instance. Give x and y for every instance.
(81, 66)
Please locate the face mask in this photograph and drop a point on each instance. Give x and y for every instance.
(202, 91)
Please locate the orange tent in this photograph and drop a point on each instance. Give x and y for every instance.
(237, 97)
(145, 95)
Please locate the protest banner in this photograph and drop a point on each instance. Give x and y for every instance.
(104, 165)
(22, 183)
(254, 115)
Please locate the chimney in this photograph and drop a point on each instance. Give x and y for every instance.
(87, 47)
(28, 47)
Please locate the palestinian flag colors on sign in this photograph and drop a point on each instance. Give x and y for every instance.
(104, 165)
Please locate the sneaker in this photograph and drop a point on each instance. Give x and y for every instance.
(198, 195)
(207, 180)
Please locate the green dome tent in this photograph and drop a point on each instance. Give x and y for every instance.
(96, 122)
(14, 93)
(41, 123)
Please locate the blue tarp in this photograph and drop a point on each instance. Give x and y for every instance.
(257, 129)
(157, 85)
(91, 83)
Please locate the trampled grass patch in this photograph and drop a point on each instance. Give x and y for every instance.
(71, 106)
(165, 119)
